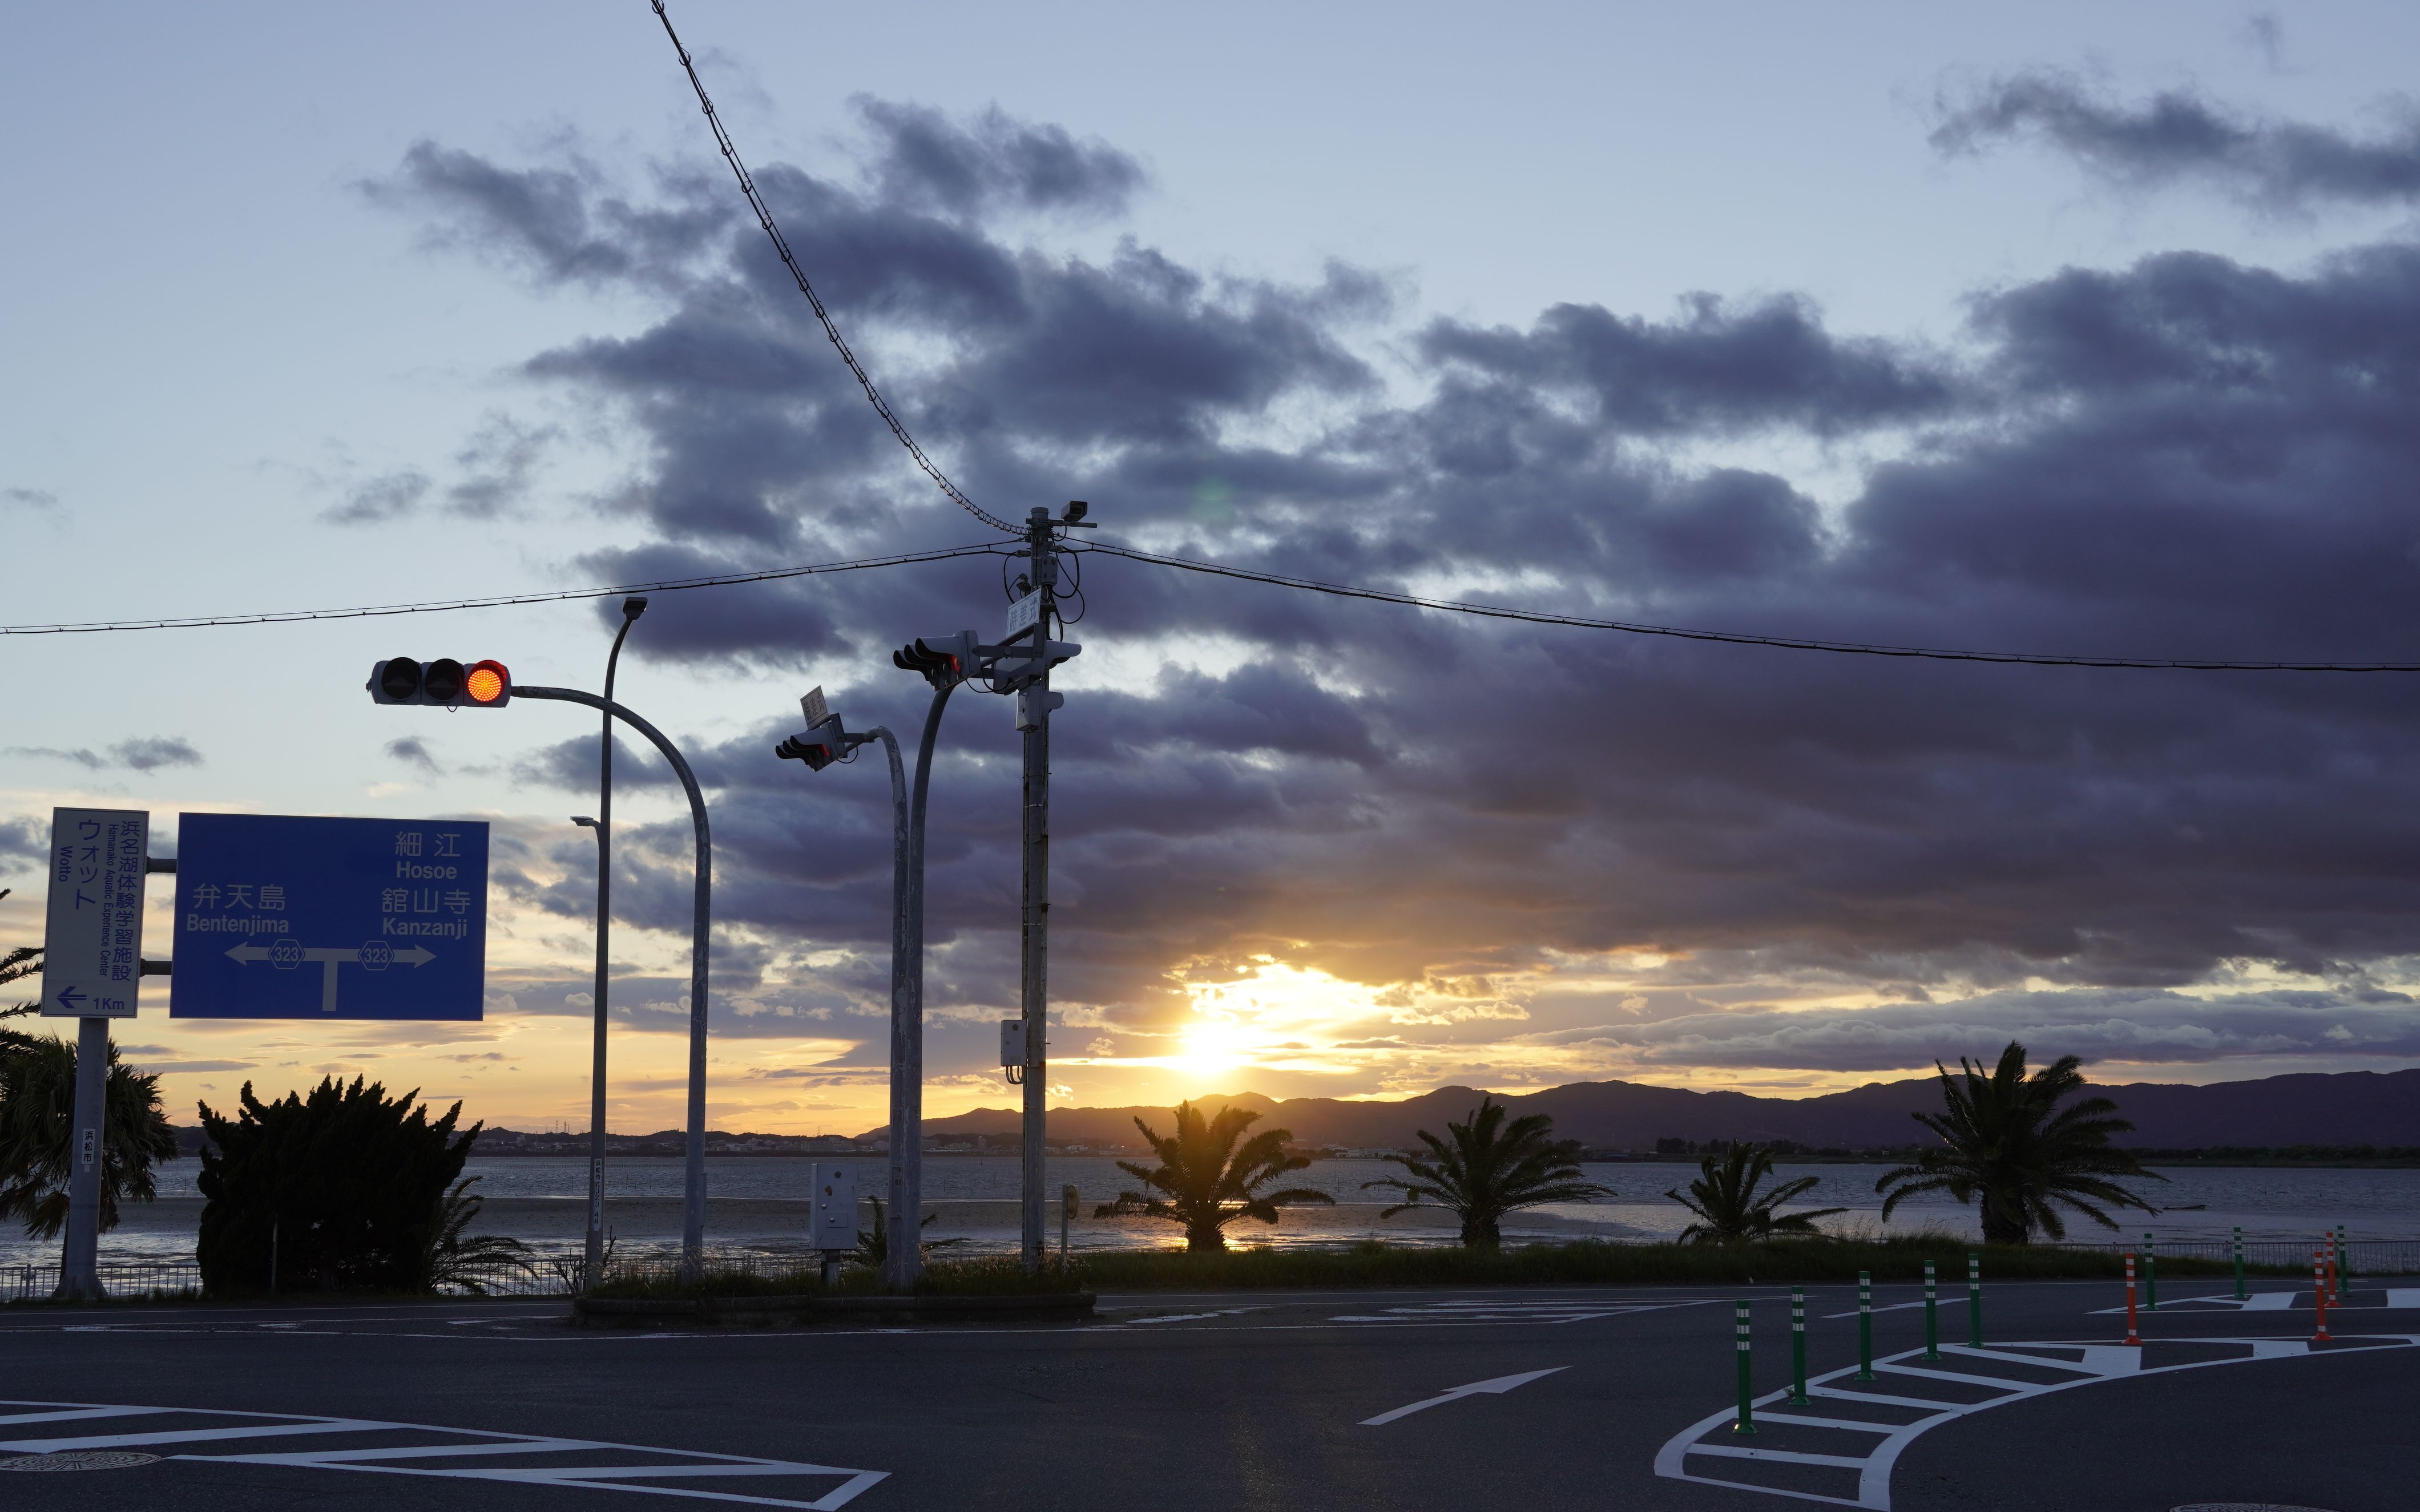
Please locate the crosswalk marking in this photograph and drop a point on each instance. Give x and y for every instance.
(2081, 1364)
(443, 1453)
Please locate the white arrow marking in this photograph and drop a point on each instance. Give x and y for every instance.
(329, 957)
(1497, 1387)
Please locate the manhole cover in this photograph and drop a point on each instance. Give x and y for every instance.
(80, 1459)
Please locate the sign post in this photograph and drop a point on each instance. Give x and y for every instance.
(92, 960)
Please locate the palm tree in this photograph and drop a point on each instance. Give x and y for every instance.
(874, 1244)
(1731, 1209)
(1490, 1169)
(1205, 1183)
(38, 1076)
(2004, 1138)
(455, 1260)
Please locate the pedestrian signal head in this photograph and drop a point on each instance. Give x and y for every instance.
(446, 682)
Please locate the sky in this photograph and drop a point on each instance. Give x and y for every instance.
(2074, 329)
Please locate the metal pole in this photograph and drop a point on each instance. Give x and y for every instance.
(592, 1272)
(1036, 894)
(701, 931)
(1067, 1200)
(901, 1237)
(1932, 1316)
(1798, 1397)
(1745, 1421)
(1865, 1325)
(80, 1262)
(908, 1122)
(2239, 1293)
(2150, 1276)
(1974, 1300)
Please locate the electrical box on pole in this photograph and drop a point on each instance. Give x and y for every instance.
(832, 1226)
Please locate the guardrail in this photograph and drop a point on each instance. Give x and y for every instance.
(2376, 1257)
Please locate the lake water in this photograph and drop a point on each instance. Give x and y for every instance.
(760, 1202)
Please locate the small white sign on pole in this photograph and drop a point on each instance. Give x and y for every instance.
(1024, 613)
(92, 943)
(833, 1224)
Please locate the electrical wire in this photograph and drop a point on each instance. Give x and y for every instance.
(781, 245)
(501, 600)
(1738, 638)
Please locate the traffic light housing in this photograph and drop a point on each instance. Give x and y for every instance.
(821, 747)
(940, 660)
(445, 682)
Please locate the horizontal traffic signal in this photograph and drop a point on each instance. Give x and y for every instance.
(446, 682)
(942, 660)
(818, 747)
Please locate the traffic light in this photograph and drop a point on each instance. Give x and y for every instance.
(1021, 663)
(818, 747)
(942, 660)
(447, 683)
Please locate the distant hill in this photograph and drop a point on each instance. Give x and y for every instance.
(2361, 1107)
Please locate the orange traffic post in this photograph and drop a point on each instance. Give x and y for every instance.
(2133, 1334)
(2320, 1296)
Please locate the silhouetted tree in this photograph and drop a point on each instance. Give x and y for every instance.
(1205, 1183)
(1731, 1209)
(1491, 1168)
(2006, 1141)
(37, 1078)
(352, 1183)
(461, 1260)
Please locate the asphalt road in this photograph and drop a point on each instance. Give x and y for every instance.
(1251, 1400)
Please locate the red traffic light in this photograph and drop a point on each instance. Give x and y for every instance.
(486, 684)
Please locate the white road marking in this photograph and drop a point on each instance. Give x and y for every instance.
(1495, 1387)
(1191, 1318)
(1894, 1307)
(468, 1454)
(2260, 1301)
(2086, 1364)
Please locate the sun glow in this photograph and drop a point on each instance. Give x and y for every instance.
(1280, 1017)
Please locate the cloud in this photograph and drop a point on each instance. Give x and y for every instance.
(23, 843)
(992, 162)
(414, 750)
(2186, 456)
(2165, 1028)
(2176, 137)
(145, 753)
(41, 500)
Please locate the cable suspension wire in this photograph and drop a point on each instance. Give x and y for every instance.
(501, 600)
(1735, 637)
(781, 245)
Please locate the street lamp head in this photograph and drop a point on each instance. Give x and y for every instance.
(584, 821)
(633, 607)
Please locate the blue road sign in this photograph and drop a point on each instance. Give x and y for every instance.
(287, 918)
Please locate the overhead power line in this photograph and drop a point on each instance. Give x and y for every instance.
(1735, 637)
(499, 600)
(781, 245)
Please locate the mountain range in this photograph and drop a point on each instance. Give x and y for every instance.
(2361, 1107)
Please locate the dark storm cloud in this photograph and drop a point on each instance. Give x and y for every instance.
(147, 753)
(924, 160)
(2177, 136)
(2162, 1027)
(2186, 457)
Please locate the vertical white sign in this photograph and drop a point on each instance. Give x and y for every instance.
(92, 948)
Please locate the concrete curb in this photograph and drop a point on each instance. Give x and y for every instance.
(638, 1311)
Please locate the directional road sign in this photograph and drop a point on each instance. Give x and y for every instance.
(284, 918)
(93, 947)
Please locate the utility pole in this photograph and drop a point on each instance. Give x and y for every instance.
(1034, 701)
(1033, 720)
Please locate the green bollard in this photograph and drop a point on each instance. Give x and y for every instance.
(2150, 1277)
(2240, 1295)
(1932, 1316)
(1747, 1421)
(1974, 1301)
(1798, 1397)
(1865, 1325)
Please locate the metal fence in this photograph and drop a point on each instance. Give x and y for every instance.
(118, 1278)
